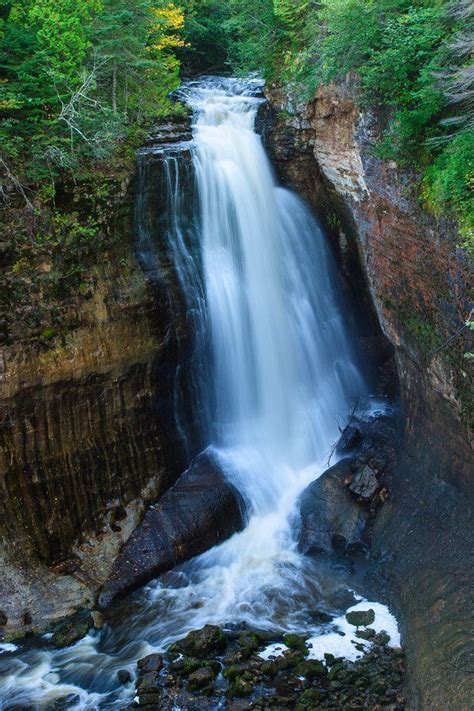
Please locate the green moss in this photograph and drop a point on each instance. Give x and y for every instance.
(49, 333)
(240, 687)
(296, 642)
(425, 334)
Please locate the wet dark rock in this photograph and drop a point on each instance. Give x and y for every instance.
(148, 687)
(201, 643)
(321, 616)
(361, 618)
(289, 681)
(124, 676)
(147, 680)
(266, 636)
(331, 519)
(198, 512)
(3, 619)
(72, 631)
(364, 482)
(350, 440)
(150, 697)
(151, 663)
(202, 679)
(176, 131)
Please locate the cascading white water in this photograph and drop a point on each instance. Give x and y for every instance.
(282, 374)
(278, 377)
(282, 368)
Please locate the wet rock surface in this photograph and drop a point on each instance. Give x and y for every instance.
(331, 519)
(72, 630)
(338, 509)
(232, 675)
(176, 131)
(198, 512)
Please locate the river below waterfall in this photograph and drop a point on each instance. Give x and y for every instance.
(276, 377)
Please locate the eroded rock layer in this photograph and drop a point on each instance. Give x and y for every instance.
(87, 427)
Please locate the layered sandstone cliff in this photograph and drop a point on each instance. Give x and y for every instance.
(87, 429)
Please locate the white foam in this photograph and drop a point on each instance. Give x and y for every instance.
(341, 643)
(7, 647)
(277, 649)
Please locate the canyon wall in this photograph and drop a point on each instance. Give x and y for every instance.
(87, 429)
(418, 279)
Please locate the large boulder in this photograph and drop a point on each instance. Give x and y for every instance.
(331, 518)
(198, 512)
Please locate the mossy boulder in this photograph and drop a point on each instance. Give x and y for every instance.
(248, 642)
(382, 638)
(311, 669)
(240, 687)
(311, 697)
(296, 642)
(361, 618)
(71, 632)
(201, 643)
(368, 633)
(235, 670)
(202, 680)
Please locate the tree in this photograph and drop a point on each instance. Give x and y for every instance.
(79, 76)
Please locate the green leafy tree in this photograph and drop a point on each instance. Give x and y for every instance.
(77, 77)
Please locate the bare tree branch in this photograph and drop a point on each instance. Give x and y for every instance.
(15, 182)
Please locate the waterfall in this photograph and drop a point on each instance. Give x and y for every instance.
(280, 369)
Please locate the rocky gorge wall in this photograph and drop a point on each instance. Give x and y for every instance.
(87, 429)
(418, 281)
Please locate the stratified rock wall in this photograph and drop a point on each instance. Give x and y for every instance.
(88, 435)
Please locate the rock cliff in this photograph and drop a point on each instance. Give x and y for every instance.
(87, 429)
(418, 282)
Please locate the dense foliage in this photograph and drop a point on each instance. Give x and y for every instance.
(79, 76)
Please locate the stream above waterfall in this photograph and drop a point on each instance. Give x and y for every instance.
(275, 376)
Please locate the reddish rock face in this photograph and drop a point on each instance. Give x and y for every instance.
(418, 277)
(418, 281)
